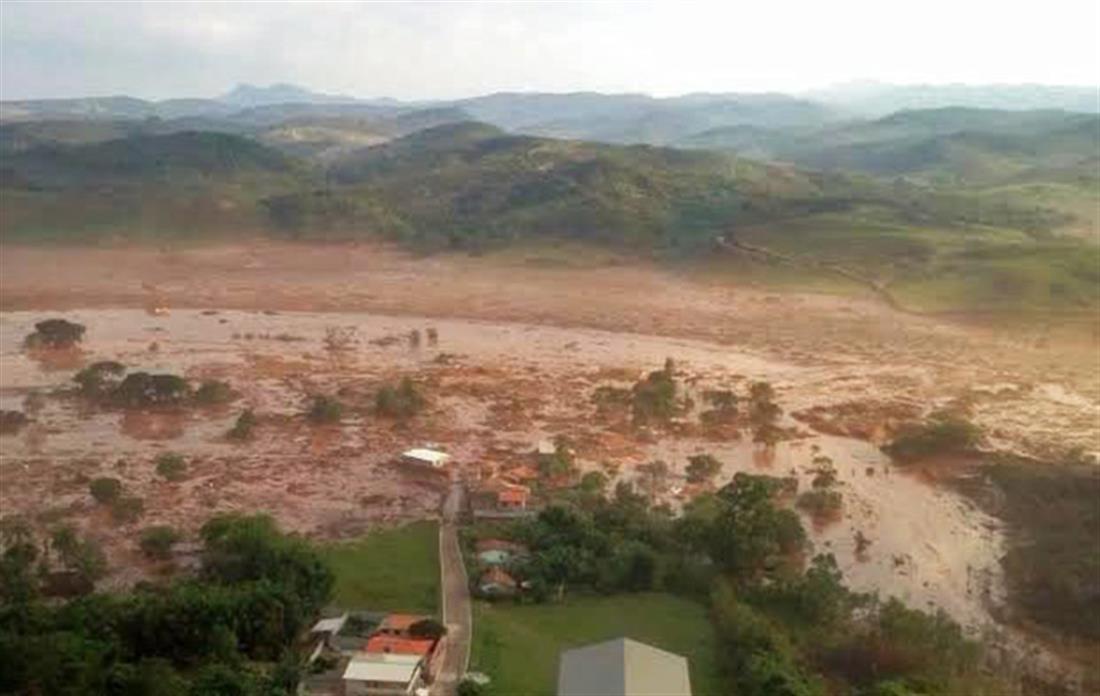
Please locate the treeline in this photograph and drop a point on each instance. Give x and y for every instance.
(784, 628)
(229, 630)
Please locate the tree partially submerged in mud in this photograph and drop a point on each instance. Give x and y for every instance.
(942, 434)
(654, 397)
(244, 425)
(100, 379)
(401, 402)
(324, 410)
(107, 383)
(12, 422)
(55, 334)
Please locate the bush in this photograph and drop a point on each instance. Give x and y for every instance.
(171, 466)
(55, 333)
(242, 429)
(212, 392)
(105, 489)
(654, 398)
(157, 542)
(127, 509)
(821, 503)
(401, 402)
(12, 421)
(325, 409)
(702, 468)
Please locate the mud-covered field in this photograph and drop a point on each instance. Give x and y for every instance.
(521, 348)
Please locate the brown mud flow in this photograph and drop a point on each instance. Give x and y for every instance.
(494, 389)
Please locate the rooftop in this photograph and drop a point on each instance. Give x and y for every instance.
(396, 645)
(400, 622)
(429, 456)
(379, 667)
(622, 667)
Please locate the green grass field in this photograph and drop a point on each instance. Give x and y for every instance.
(518, 645)
(388, 570)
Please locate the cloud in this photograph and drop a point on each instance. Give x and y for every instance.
(426, 50)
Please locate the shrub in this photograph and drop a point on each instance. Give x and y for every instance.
(325, 409)
(157, 542)
(821, 502)
(105, 489)
(702, 468)
(242, 429)
(127, 509)
(55, 333)
(654, 398)
(171, 466)
(400, 402)
(212, 392)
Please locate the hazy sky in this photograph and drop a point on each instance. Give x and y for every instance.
(426, 50)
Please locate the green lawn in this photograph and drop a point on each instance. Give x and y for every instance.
(388, 570)
(518, 645)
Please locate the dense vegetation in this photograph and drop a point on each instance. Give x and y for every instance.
(231, 630)
(1053, 562)
(781, 628)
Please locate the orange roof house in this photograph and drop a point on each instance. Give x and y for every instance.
(514, 498)
(399, 624)
(397, 645)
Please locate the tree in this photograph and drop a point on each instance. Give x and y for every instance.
(127, 509)
(55, 333)
(157, 542)
(142, 389)
(750, 535)
(654, 398)
(100, 378)
(105, 489)
(212, 392)
(325, 410)
(702, 468)
(171, 466)
(401, 402)
(243, 427)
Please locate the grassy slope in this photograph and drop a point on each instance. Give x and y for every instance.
(388, 570)
(519, 645)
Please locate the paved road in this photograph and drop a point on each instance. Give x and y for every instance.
(455, 591)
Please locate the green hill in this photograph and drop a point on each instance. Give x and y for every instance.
(189, 183)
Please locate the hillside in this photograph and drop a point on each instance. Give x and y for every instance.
(187, 183)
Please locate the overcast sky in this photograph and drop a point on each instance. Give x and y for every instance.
(425, 50)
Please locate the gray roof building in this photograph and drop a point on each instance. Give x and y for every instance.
(622, 667)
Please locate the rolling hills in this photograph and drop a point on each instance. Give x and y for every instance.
(946, 208)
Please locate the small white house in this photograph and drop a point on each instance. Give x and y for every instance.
(382, 674)
(422, 456)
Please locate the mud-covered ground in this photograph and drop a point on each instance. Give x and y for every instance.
(1034, 386)
(521, 348)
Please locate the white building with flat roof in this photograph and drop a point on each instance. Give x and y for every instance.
(382, 674)
(425, 457)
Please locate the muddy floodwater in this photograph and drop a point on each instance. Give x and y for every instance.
(494, 390)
